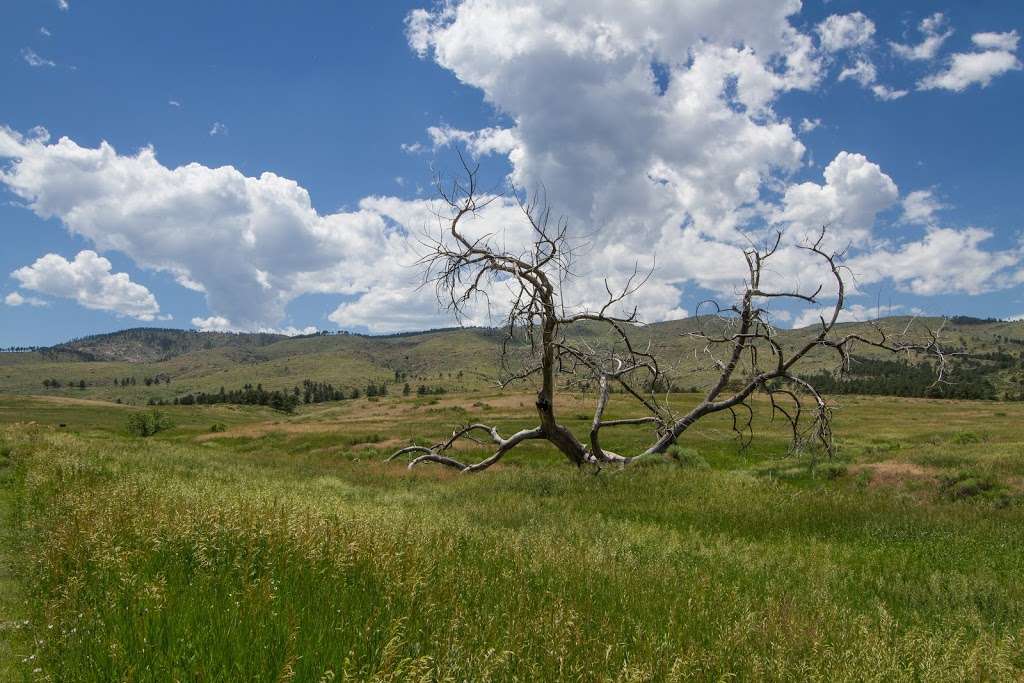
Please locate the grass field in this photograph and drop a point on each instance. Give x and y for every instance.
(284, 549)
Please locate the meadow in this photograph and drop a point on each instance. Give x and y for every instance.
(285, 548)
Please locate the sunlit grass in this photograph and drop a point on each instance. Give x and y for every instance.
(298, 555)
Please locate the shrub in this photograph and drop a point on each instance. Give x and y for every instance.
(148, 423)
(654, 461)
(830, 470)
(965, 484)
(687, 457)
(964, 438)
(218, 427)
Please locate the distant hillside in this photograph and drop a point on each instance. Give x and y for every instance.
(150, 344)
(141, 364)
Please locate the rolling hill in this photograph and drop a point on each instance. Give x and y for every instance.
(137, 365)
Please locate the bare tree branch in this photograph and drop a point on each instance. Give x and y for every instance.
(743, 348)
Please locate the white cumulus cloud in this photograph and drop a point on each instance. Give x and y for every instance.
(88, 280)
(971, 68)
(946, 260)
(855, 191)
(932, 28)
(653, 127)
(884, 92)
(843, 31)
(218, 323)
(997, 41)
(478, 142)
(920, 207)
(215, 323)
(17, 299)
(250, 244)
(865, 73)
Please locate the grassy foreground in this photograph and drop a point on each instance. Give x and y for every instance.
(285, 550)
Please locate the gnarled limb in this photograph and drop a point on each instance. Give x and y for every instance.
(436, 453)
(463, 268)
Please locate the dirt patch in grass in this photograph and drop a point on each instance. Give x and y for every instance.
(258, 429)
(69, 401)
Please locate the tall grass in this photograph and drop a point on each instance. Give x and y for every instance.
(156, 561)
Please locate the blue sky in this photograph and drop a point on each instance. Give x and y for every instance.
(339, 97)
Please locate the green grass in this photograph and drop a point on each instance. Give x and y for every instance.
(12, 632)
(285, 549)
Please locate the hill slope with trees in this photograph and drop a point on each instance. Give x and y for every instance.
(146, 364)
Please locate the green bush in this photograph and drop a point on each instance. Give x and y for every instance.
(830, 470)
(965, 484)
(148, 423)
(964, 438)
(687, 457)
(218, 427)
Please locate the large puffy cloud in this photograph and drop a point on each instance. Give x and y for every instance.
(682, 159)
(652, 125)
(595, 125)
(88, 280)
(855, 191)
(633, 162)
(250, 244)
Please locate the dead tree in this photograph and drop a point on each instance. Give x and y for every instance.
(739, 341)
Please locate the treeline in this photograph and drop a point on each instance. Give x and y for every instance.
(964, 380)
(284, 400)
(971, 320)
(21, 349)
(158, 379)
(70, 384)
(287, 400)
